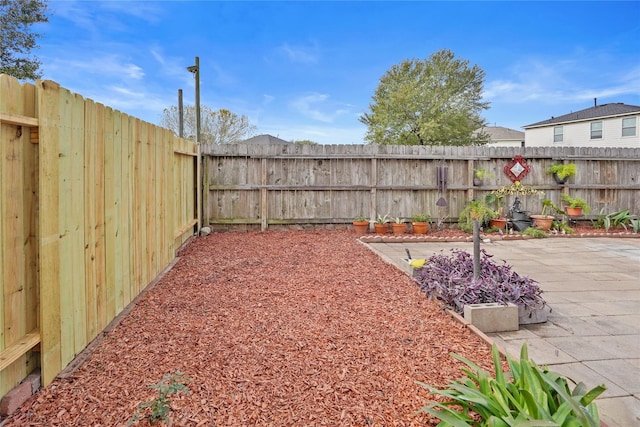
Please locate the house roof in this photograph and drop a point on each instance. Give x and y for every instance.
(499, 133)
(265, 139)
(596, 112)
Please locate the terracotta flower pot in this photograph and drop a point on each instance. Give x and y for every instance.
(573, 211)
(398, 229)
(543, 222)
(361, 227)
(381, 228)
(420, 227)
(500, 223)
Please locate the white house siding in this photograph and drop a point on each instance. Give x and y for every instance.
(578, 134)
(505, 143)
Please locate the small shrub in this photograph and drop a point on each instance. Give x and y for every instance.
(449, 279)
(527, 395)
(536, 233)
(158, 408)
(619, 219)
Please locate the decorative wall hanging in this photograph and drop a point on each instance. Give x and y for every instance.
(517, 168)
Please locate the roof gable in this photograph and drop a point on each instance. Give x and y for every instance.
(596, 112)
(499, 133)
(265, 139)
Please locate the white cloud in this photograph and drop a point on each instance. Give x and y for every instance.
(305, 55)
(267, 99)
(315, 107)
(560, 82)
(107, 65)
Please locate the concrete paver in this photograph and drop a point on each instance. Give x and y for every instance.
(593, 288)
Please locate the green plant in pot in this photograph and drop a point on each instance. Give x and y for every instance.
(420, 223)
(360, 225)
(575, 206)
(475, 210)
(496, 202)
(381, 225)
(479, 174)
(544, 221)
(562, 171)
(398, 226)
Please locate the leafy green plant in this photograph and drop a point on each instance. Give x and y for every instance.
(158, 409)
(420, 217)
(563, 171)
(548, 205)
(534, 232)
(382, 219)
(526, 395)
(475, 209)
(561, 227)
(398, 220)
(496, 202)
(360, 218)
(576, 202)
(482, 173)
(617, 219)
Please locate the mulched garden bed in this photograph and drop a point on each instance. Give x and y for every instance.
(291, 328)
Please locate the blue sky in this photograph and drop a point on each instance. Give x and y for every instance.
(308, 70)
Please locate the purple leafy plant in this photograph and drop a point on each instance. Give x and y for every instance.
(449, 279)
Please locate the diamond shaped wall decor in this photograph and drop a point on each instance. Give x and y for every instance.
(517, 168)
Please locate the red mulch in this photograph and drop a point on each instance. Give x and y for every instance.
(274, 329)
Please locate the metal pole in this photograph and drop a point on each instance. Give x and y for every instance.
(196, 70)
(198, 100)
(180, 115)
(476, 249)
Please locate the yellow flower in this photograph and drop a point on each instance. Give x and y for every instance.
(417, 263)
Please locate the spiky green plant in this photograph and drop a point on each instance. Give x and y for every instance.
(527, 395)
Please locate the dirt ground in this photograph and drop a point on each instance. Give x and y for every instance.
(283, 328)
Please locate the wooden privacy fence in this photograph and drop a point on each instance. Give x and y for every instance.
(261, 186)
(93, 205)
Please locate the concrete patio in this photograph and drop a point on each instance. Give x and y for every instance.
(593, 332)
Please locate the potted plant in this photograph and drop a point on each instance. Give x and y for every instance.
(381, 225)
(496, 201)
(360, 225)
(420, 223)
(562, 172)
(544, 221)
(479, 174)
(475, 209)
(398, 226)
(575, 206)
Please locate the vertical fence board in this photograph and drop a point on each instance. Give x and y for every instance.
(108, 291)
(78, 291)
(49, 228)
(92, 192)
(13, 298)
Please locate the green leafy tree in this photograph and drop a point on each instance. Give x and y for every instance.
(304, 142)
(17, 38)
(216, 127)
(437, 101)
